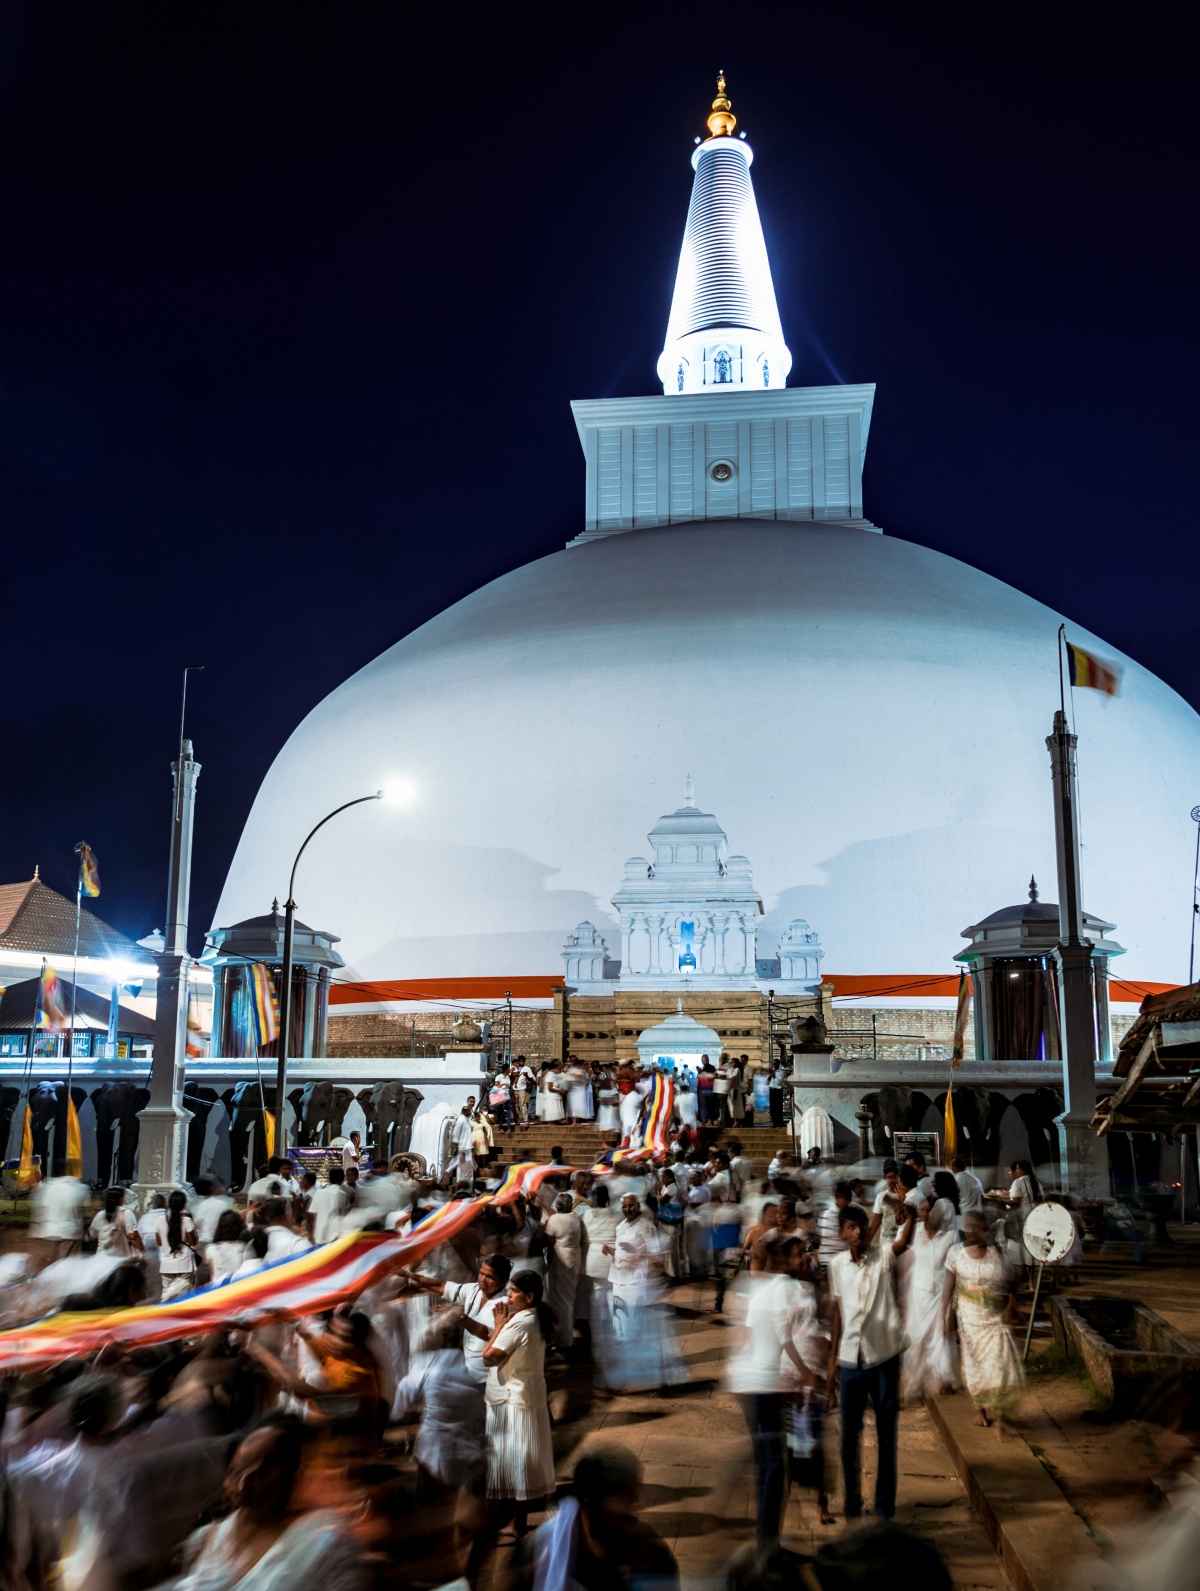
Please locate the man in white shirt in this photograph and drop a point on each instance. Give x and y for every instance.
(477, 1300)
(57, 1210)
(460, 1142)
(329, 1208)
(916, 1160)
(970, 1189)
(755, 1376)
(866, 1340)
(283, 1241)
(352, 1152)
(208, 1208)
(741, 1169)
(261, 1188)
(829, 1223)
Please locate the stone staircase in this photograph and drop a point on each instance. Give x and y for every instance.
(583, 1145)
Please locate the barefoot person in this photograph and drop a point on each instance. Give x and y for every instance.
(979, 1290)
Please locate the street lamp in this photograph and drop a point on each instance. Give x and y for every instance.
(285, 992)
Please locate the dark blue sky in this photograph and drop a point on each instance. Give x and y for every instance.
(263, 265)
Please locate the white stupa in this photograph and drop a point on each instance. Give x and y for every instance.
(866, 715)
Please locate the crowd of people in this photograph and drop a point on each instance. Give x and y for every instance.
(416, 1424)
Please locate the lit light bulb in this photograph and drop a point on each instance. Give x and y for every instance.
(399, 792)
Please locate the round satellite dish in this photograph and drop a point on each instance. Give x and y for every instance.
(1049, 1233)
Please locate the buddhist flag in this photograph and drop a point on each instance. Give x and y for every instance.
(266, 1006)
(51, 1005)
(950, 1128)
(27, 1173)
(74, 1156)
(195, 1043)
(1089, 673)
(960, 1019)
(89, 871)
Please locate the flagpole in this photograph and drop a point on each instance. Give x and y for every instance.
(1062, 690)
(74, 974)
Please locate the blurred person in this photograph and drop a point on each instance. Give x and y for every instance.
(916, 1160)
(582, 1184)
(264, 1186)
(57, 1212)
(645, 1350)
(283, 1240)
(348, 1384)
(686, 1103)
(149, 1237)
(254, 1253)
(754, 1374)
(477, 1301)
(866, 1341)
(596, 1540)
(500, 1100)
(829, 1222)
(461, 1140)
(706, 1078)
(754, 1255)
(520, 1462)
(483, 1137)
(209, 1205)
(978, 1289)
(352, 1152)
(776, 1083)
(227, 1250)
(329, 1208)
(302, 1201)
(450, 1445)
(722, 1084)
(262, 1544)
(970, 1189)
(608, 1100)
(175, 1235)
(579, 1102)
(114, 1229)
(930, 1360)
(888, 1202)
(552, 1090)
(600, 1222)
(563, 1231)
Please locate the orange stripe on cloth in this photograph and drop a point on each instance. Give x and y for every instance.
(912, 985)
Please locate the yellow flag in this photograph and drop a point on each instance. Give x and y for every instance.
(960, 1019)
(269, 1132)
(27, 1173)
(74, 1158)
(950, 1136)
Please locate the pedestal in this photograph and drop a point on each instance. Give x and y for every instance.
(1082, 1159)
(162, 1150)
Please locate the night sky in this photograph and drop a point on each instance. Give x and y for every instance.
(263, 265)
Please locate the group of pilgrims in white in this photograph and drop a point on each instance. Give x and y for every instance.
(835, 1290)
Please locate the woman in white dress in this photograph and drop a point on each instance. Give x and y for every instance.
(685, 1099)
(579, 1102)
(115, 1229)
(1025, 1192)
(224, 1255)
(177, 1240)
(979, 1290)
(551, 1088)
(929, 1362)
(608, 1118)
(564, 1233)
(599, 1229)
(520, 1461)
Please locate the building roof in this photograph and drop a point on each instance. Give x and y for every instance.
(19, 1002)
(34, 917)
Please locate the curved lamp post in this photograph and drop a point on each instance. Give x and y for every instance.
(285, 992)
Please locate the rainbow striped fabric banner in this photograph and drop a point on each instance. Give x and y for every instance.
(309, 1284)
(265, 1004)
(1088, 672)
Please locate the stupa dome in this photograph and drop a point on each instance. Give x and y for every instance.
(867, 717)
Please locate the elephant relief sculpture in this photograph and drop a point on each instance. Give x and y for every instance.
(343, 1098)
(393, 1107)
(200, 1101)
(891, 1110)
(977, 1114)
(46, 1102)
(116, 1105)
(1037, 1111)
(314, 1104)
(244, 1103)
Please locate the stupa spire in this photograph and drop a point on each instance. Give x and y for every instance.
(724, 331)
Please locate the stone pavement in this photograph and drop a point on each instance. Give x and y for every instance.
(700, 1480)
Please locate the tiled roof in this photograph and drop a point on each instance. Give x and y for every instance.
(19, 1002)
(35, 917)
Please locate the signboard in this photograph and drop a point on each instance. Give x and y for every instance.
(925, 1143)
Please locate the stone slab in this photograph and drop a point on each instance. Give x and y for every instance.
(1042, 1542)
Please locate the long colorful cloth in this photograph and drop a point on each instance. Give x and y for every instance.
(310, 1283)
